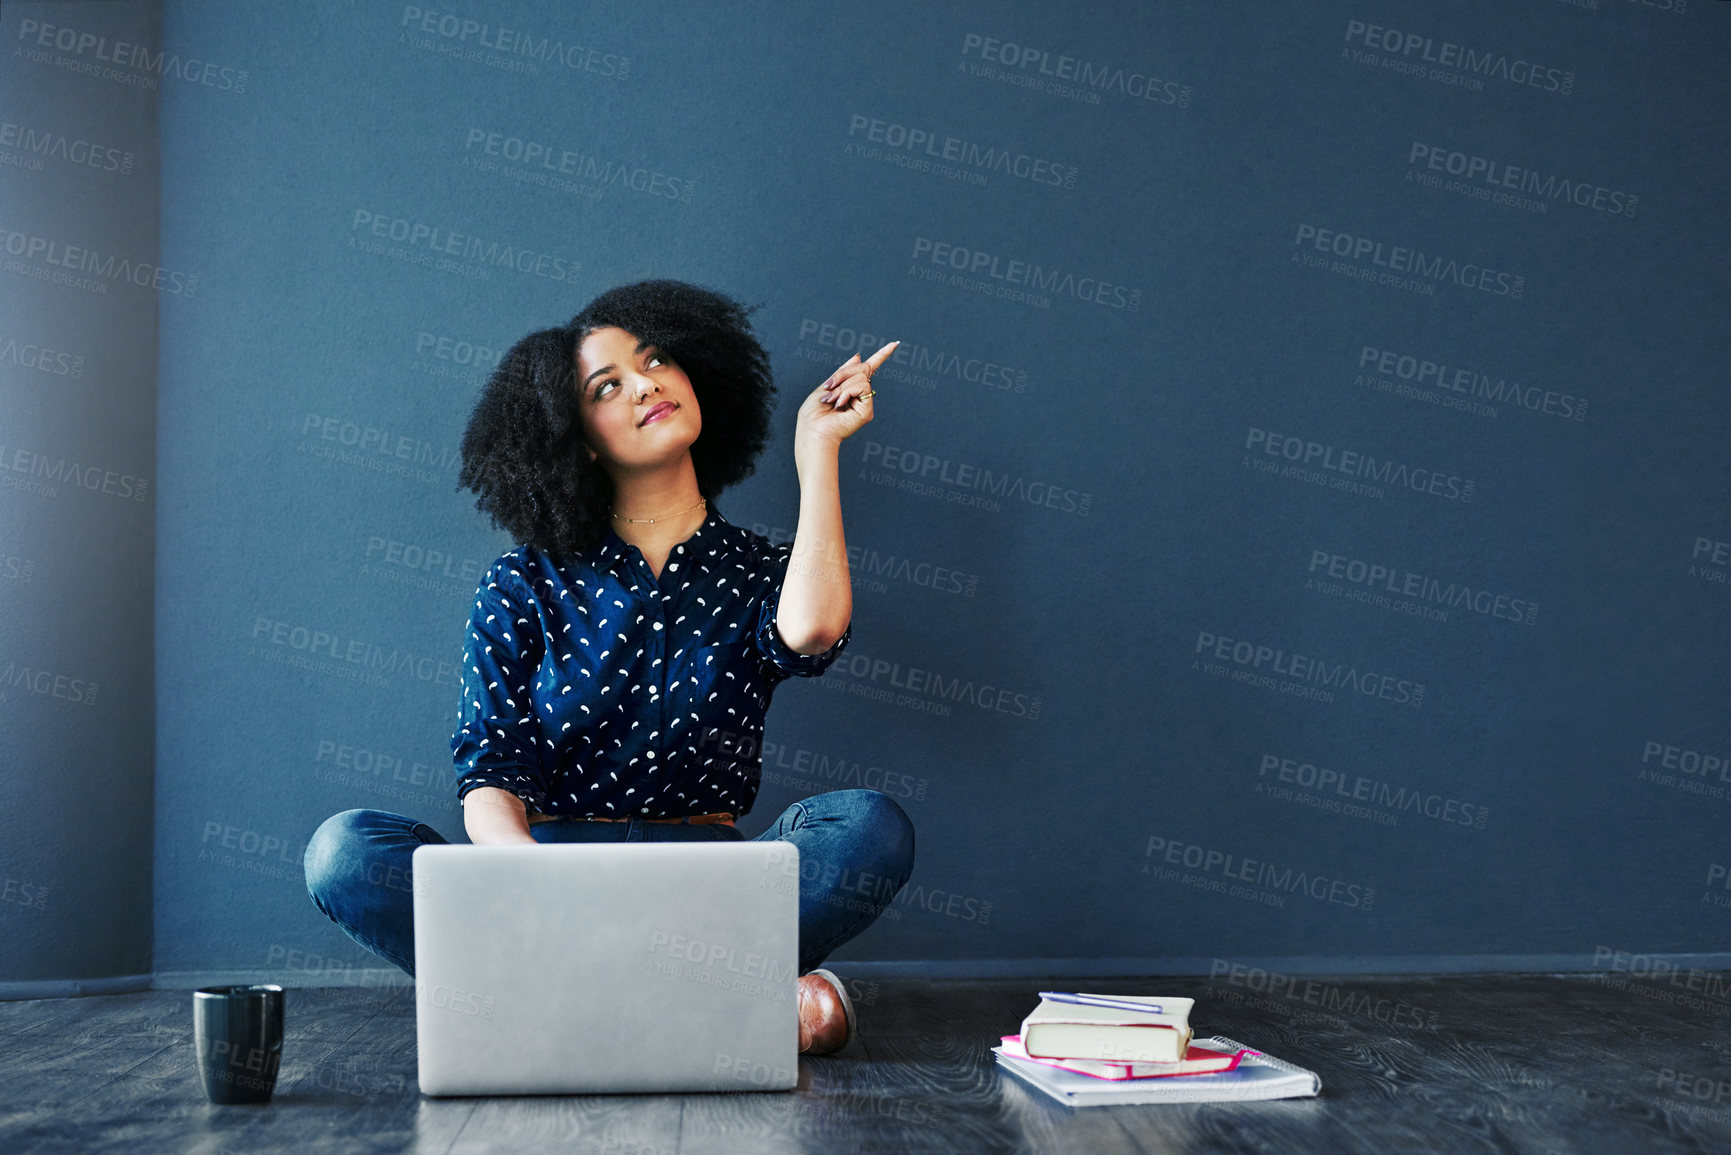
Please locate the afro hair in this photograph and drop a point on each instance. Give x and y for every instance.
(523, 450)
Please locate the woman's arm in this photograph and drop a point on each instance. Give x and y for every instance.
(495, 817)
(816, 596)
(494, 749)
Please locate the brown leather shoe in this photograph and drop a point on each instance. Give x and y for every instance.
(826, 1021)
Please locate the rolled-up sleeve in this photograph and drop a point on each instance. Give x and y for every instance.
(497, 733)
(782, 660)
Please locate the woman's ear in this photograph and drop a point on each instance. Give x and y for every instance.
(583, 440)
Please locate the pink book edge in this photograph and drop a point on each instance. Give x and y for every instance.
(1014, 1044)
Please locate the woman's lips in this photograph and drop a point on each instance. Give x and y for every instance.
(658, 412)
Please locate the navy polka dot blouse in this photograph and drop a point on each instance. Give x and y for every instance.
(592, 689)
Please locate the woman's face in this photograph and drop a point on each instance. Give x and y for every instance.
(635, 405)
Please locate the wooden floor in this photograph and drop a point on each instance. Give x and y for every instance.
(1541, 1064)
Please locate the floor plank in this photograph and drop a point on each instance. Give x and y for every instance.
(1510, 1063)
(628, 1124)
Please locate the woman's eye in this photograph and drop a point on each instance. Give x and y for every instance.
(657, 359)
(601, 389)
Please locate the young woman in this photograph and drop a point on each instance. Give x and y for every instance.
(618, 663)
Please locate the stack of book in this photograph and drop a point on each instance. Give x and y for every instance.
(1087, 1050)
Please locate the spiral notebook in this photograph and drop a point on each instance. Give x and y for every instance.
(1257, 1076)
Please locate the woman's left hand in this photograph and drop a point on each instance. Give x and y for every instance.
(838, 408)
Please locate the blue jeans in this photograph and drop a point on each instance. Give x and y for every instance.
(856, 851)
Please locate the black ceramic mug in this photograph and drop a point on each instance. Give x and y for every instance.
(238, 1031)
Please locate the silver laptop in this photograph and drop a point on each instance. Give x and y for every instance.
(607, 967)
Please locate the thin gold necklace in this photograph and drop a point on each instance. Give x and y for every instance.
(663, 517)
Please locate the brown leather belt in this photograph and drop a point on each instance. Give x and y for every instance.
(695, 819)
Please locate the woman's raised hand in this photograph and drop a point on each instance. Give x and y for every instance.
(839, 407)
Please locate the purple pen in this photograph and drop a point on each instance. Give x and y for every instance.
(1102, 1001)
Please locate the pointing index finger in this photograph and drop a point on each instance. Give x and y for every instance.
(881, 356)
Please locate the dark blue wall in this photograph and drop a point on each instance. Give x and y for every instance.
(79, 289)
(1292, 530)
